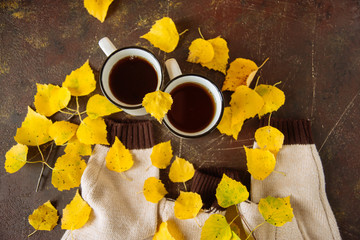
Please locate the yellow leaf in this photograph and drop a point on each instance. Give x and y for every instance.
(81, 81)
(49, 99)
(44, 217)
(216, 228)
(230, 192)
(15, 158)
(34, 129)
(238, 74)
(99, 106)
(157, 103)
(163, 233)
(163, 35)
(92, 131)
(76, 147)
(226, 127)
(269, 138)
(118, 158)
(62, 131)
(276, 211)
(200, 51)
(75, 214)
(245, 103)
(260, 162)
(273, 97)
(181, 170)
(98, 8)
(67, 171)
(154, 190)
(221, 55)
(187, 205)
(161, 155)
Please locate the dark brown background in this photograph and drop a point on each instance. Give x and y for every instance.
(313, 46)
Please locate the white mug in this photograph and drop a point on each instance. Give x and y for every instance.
(114, 56)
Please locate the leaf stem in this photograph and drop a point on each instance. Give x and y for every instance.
(32, 233)
(255, 229)
(43, 167)
(200, 33)
(185, 187)
(195, 219)
(263, 63)
(183, 32)
(125, 177)
(282, 173)
(77, 108)
(269, 119)
(68, 113)
(234, 218)
(257, 81)
(70, 109)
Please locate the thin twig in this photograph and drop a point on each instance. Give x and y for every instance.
(43, 167)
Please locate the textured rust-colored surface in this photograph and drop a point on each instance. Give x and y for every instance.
(314, 49)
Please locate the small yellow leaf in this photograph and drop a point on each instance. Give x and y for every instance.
(75, 214)
(163, 35)
(154, 190)
(92, 131)
(161, 155)
(76, 147)
(187, 205)
(157, 103)
(260, 162)
(81, 81)
(62, 131)
(98, 8)
(269, 138)
(221, 55)
(118, 158)
(67, 171)
(166, 232)
(226, 127)
(99, 106)
(238, 73)
(276, 211)
(216, 228)
(273, 97)
(44, 217)
(49, 99)
(16, 158)
(181, 170)
(230, 192)
(34, 129)
(200, 51)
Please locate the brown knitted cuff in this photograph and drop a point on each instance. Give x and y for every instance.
(295, 131)
(205, 182)
(133, 134)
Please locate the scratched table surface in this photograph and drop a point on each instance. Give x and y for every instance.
(314, 50)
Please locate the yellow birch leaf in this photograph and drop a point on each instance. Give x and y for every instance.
(154, 190)
(76, 147)
(269, 138)
(163, 35)
(16, 158)
(200, 51)
(230, 192)
(238, 74)
(118, 158)
(34, 129)
(163, 233)
(92, 131)
(273, 97)
(181, 170)
(216, 228)
(67, 171)
(221, 55)
(44, 217)
(49, 99)
(187, 205)
(226, 127)
(161, 155)
(81, 81)
(276, 211)
(260, 163)
(62, 131)
(99, 106)
(234, 236)
(157, 103)
(98, 8)
(75, 214)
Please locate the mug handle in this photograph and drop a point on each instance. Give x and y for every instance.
(172, 68)
(107, 46)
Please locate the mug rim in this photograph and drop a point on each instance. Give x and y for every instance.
(137, 106)
(218, 120)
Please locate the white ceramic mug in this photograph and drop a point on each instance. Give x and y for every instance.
(114, 56)
(177, 79)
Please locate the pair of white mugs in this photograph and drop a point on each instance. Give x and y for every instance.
(177, 78)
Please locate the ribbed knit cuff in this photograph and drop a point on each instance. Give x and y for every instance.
(295, 131)
(133, 134)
